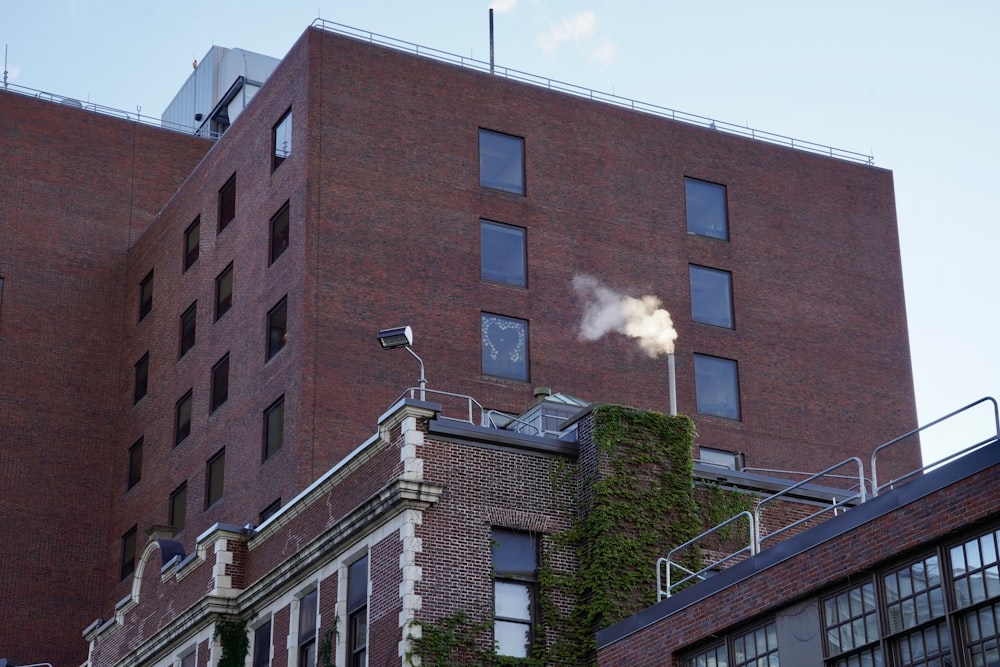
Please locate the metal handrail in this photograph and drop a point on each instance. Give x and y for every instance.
(859, 496)
(488, 421)
(876, 487)
(421, 392)
(608, 98)
(667, 564)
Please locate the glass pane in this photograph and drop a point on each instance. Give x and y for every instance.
(717, 387)
(501, 162)
(711, 296)
(512, 600)
(706, 208)
(511, 638)
(503, 253)
(505, 347)
(515, 554)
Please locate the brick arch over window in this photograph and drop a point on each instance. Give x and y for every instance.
(168, 549)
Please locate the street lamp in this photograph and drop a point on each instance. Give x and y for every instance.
(402, 337)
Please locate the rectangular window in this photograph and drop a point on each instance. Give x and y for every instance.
(262, 645)
(182, 418)
(189, 659)
(710, 657)
(501, 162)
(281, 140)
(224, 292)
(711, 296)
(277, 328)
(215, 478)
(502, 252)
(227, 203)
(135, 463)
(189, 321)
(851, 621)
(357, 612)
(220, 382)
(192, 240)
(505, 346)
(279, 233)
(515, 566)
(146, 295)
(128, 551)
(141, 378)
(274, 428)
(270, 511)
(177, 512)
(717, 386)
(757, 648)
(307, 628)
(706, 209)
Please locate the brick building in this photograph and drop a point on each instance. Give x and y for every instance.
(187, 325)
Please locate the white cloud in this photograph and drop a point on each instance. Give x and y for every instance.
(575, 28)
(503, 6)
(606, 53)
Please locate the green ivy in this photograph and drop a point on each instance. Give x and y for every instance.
(326, 646)
(235, 641)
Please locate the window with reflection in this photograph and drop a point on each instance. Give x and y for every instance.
(274, 428)
(705, 203)
(135, 463)
(279, 234)
(189, 324)
(227, 203)
(146, 295)
(357, 612)
(262, 645)
(182, 418)
(224, 292)
(177, 510)
(215, 478)
(851, 621)
(277, 328)
(141, 379)
(308, 605)
(505, 346)
(501, 162)
(711, 296)
(192, 240)
(756, 648)
(281, 140)
(717, 386)
(220, 383)
(502, 251)
(128, 552)
(515, 567)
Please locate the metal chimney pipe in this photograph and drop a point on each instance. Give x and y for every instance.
(672, 382)
(491, 40)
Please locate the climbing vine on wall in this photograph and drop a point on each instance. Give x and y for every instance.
(232, 634)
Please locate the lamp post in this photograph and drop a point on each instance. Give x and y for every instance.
(402, 337)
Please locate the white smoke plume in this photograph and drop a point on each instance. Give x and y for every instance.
(605, 310)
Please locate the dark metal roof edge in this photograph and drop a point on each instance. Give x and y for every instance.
(483, 435)
(754, 481)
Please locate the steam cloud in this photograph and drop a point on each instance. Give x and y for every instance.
(605, 310)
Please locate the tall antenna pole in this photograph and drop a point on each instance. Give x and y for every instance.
(491, 40)
(5, 65)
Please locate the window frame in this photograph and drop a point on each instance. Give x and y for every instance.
(277, 342)
(193, 231)
(227, 203)
(518, 356)
(698, 287)
(255, 657)
(134, 475)
(492, 271)
(129, 556)
(140, 385)
(521, 575)
(357, 611)
(702, 392)
(698, 194)
(277, 158)
(215, 478)
(188, 329)
(182, 427)
(280, 236)
(220, 383)
(146, 295)
(177, 510)
(275, 408)
(306, 636)
(490, 156)
(224, 291)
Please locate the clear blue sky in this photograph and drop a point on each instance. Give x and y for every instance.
(913, 82)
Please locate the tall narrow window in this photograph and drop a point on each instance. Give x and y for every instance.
(141, 378)
(501, 162)
(711, 296)
(274, 428)
(182, 418)
(135, 463)
(515, 566)
(717, 386)
(227, 202)
(505, 346)
(177, 511)
(220, 382)
(215, 478)
(128, 551)
(706, 209)
(192, 242)
(146, 295)
(279, 233)
(262, 645)
(224, 292)
(281, 140)
(189, 321)
(277, 328)
(307, 628)
(502, 253)
(357, 612)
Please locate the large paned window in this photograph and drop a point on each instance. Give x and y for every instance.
(851, 620)
(215, 478)
(141, 379)
(501, 162)
(146, 295)
(515, 568)
(505, 346)
(220, 382)
(274, 428)
(281, 140)
(128, 551)
(307, 628)
(177, 510)
(757, 647)
(502, 249)
(357, 612)
(189, 324)
(192, 242)
(706, 209)
(182, 418)
(277, 328)
(711, 296)
(717, 386)
(135, 463)
(224, 292)
(227, 203)
(279, 234)
(262, 645)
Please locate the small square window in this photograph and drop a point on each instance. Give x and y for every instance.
(224, 292)
(220, 382)
(281, 140)
(146, 296)
(279, 233)
(141, 378)
(192, 240)
(215, 475)
(274, 428)
(135, 463)
(177, 512)
(505, 346)
(189, 320)
(501, 162)
(717, 386)
(502, 250)
(182, 418)
(227, 203)
(270, 510)
(711, 296)
(277, 328)
(706, 209)
(128, 551)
